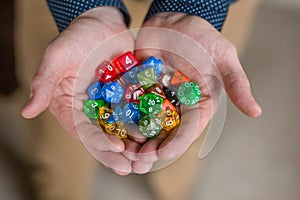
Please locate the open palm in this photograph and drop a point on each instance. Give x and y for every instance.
(186, 43)
(191, 45)
(61, 82)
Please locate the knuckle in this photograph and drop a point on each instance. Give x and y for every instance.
(53, 51)
(226, 52)
(229, 51)
(236, 81)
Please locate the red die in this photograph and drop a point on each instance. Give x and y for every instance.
(133, 93)
(106, 72)
(125, 61)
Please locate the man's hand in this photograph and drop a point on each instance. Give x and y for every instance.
(53, 84)
(183, 42)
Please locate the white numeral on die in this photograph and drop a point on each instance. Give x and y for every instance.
(128, 60)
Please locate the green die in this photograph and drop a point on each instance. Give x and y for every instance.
(189, 93)
(151, 103)
(146, 78)
(150, 126)
(91, 108)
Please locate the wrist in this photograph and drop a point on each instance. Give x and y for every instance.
(213, 11)
(164, 18)
(107, 14)
(172, 20)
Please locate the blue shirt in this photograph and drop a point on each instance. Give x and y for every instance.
(213, 11)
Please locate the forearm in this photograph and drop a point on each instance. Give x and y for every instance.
(213, 11)
(65, 11)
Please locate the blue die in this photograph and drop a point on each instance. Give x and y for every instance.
(156, 63)
(94, 91)
(131, 75)
(117, 115)
(132, 112)
(112, 92)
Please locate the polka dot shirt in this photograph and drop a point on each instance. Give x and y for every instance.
(65, 11)
(213, 11)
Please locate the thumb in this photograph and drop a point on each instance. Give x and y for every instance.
(42, 88)
(238, 87)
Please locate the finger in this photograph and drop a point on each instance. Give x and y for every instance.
(148, 152)
(141, 167)
(92, 136)
(181, 138)
(133, 134)
(237, 85)
(145, 53)
(131, 150)
(42, 88)
(121, 173)
(64, 116)
(115, 161)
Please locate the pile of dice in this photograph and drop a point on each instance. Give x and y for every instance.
(147, 95)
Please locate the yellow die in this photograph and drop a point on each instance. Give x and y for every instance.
(104, 114)
(121, 130)
(117, 129)
(171, 119)
(110, 128)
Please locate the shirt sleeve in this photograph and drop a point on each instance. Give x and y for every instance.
(213, 11)
(65, 11)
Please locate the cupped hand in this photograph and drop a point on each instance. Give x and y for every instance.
(61, 68)
(194, 47)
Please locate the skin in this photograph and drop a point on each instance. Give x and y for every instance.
(52, 85)
(227, 72)
(64, 56)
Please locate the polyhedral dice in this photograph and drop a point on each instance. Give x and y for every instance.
(121, 131)
(117, 129)
(125, 61)
(117, 115)
(94, 91)
(112, 92)
(146, 77)
(170, 119)
(168, 105)
(178, 78)
(133, 93)
(150, 126)
(131, 75)
(132, 112)
(137, 95)
(165, 80)
(189, 93)
(106, 72)
(104, 114)
(155, 63)
(171, 96)
(157, 89)
(91, 108)
(151, 104)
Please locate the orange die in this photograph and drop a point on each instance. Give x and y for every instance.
(168, 105)
(178, 78)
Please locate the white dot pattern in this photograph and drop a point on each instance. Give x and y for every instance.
(65, 11)
(213, 11)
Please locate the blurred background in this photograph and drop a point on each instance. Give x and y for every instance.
(254, 158)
